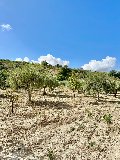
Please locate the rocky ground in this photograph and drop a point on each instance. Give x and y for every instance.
(60, 127)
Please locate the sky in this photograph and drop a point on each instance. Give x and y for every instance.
(79, 33)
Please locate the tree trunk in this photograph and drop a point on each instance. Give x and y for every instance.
(12, 106)
(115, 94)
(73, 94)
(98, 96)
(44, 92)
(29, 95)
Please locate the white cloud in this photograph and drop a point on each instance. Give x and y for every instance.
(104, 65)
(18, 59)
(49, 59)
(52, 60)
(26, 59)
(6, 27)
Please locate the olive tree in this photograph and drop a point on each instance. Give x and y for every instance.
(115, 86)
(111, 85)
(94, 83)
(48, 81)
(75, 84)
(3, 77)
(26, 77)
(64, 73)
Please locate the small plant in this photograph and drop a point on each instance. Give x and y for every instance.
(51, 155)
(80, 127)
(108, 118)
(72, 129)
(92, 144)
(89, 113)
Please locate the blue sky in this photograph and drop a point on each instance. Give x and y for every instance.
(77, 31)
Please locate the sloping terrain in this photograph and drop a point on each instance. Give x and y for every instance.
(60, 127)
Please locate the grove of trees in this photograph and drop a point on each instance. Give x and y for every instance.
(30, 76)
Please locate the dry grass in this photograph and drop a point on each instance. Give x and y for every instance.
(60, 127)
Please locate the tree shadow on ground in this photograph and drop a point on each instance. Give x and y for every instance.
(3, 96)
(51, 104)
(109, 101)
(59, 95)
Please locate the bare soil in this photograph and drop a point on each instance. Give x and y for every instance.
(60, 127)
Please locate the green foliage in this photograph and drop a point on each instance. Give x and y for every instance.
(49, 81)
(58, 66)
(75, 83)
(11, 65)
(44, 63)
(3, 77)
(64, 73)
(92, 144)
(112, 85)
(26, 77)
(108, 118)
(94, 83)
(106, 85)
(30, 76)
(89, 113)
(81, 74)
(1, 66)
(81, 127)
(115, 86)
(51, 155)
(115, 74)
(23, 77)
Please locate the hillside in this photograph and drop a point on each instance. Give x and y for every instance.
(58, 113)
(60, 127)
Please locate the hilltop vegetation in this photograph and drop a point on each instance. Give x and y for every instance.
(56, 112)
(30, 76)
